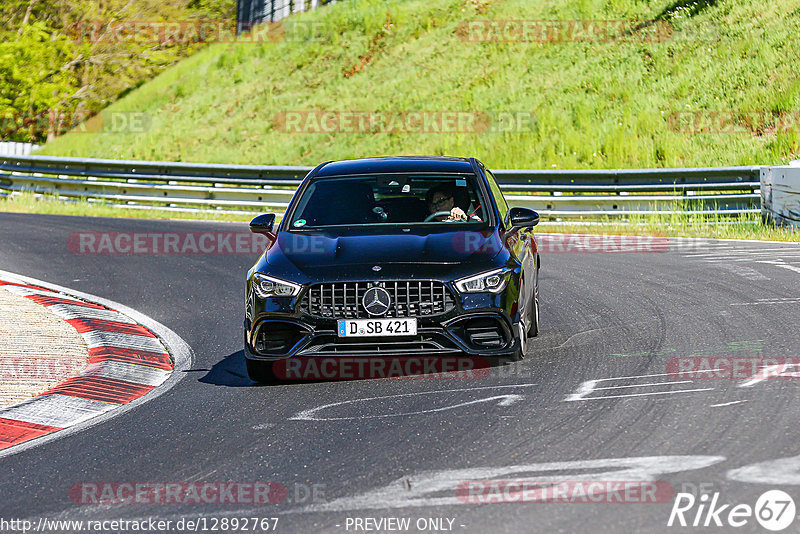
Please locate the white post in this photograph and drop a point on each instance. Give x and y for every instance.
(780, 194)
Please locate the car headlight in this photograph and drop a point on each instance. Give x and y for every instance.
(269, 286)
(490, 282)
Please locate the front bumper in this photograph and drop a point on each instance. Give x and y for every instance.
(479, 326)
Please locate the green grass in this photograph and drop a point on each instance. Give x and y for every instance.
(596, 105)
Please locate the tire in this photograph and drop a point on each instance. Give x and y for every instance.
(533, 329)
(261, 372)
(520, 354)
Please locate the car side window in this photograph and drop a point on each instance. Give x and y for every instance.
(502, 205)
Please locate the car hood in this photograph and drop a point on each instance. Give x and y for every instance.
(321, 254)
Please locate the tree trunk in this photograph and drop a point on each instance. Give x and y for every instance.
(26, 17)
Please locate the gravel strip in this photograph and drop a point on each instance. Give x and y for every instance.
(38, 349)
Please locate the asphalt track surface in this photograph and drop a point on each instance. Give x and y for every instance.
(603, 316)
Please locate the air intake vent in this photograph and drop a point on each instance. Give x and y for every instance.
(482, 333)
(485, 337)
(277, 338)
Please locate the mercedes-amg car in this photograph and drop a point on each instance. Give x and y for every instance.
(393, 257)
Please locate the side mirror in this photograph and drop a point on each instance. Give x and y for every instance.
(523, 217)
(263, 223)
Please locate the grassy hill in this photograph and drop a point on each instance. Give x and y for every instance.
(599, 104)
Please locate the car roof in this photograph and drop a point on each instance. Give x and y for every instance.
(397, 164)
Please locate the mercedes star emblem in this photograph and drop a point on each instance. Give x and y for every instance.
(376, 301)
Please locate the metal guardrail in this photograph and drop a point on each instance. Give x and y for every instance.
(563, 194)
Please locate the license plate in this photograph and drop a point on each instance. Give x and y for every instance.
(377, 327)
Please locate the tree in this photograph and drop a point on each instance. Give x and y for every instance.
(52, 76)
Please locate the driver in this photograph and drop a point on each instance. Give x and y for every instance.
(439, 198)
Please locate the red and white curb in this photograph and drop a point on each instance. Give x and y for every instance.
(128, 360)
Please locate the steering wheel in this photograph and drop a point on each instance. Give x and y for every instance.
(432, 216)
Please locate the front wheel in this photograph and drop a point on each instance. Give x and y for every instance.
(519, 355)
(261, 372)
(533, 330)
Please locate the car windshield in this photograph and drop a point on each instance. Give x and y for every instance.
(391, 199)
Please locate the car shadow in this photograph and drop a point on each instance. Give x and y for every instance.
(231, 371)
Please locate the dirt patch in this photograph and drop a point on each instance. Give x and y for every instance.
(374, 47)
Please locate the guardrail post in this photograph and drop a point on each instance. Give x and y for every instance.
(780, 194)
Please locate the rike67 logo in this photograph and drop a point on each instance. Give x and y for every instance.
(774, 510)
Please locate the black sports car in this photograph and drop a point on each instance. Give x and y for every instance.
(393, 257)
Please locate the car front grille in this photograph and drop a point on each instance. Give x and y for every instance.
(343, 300)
